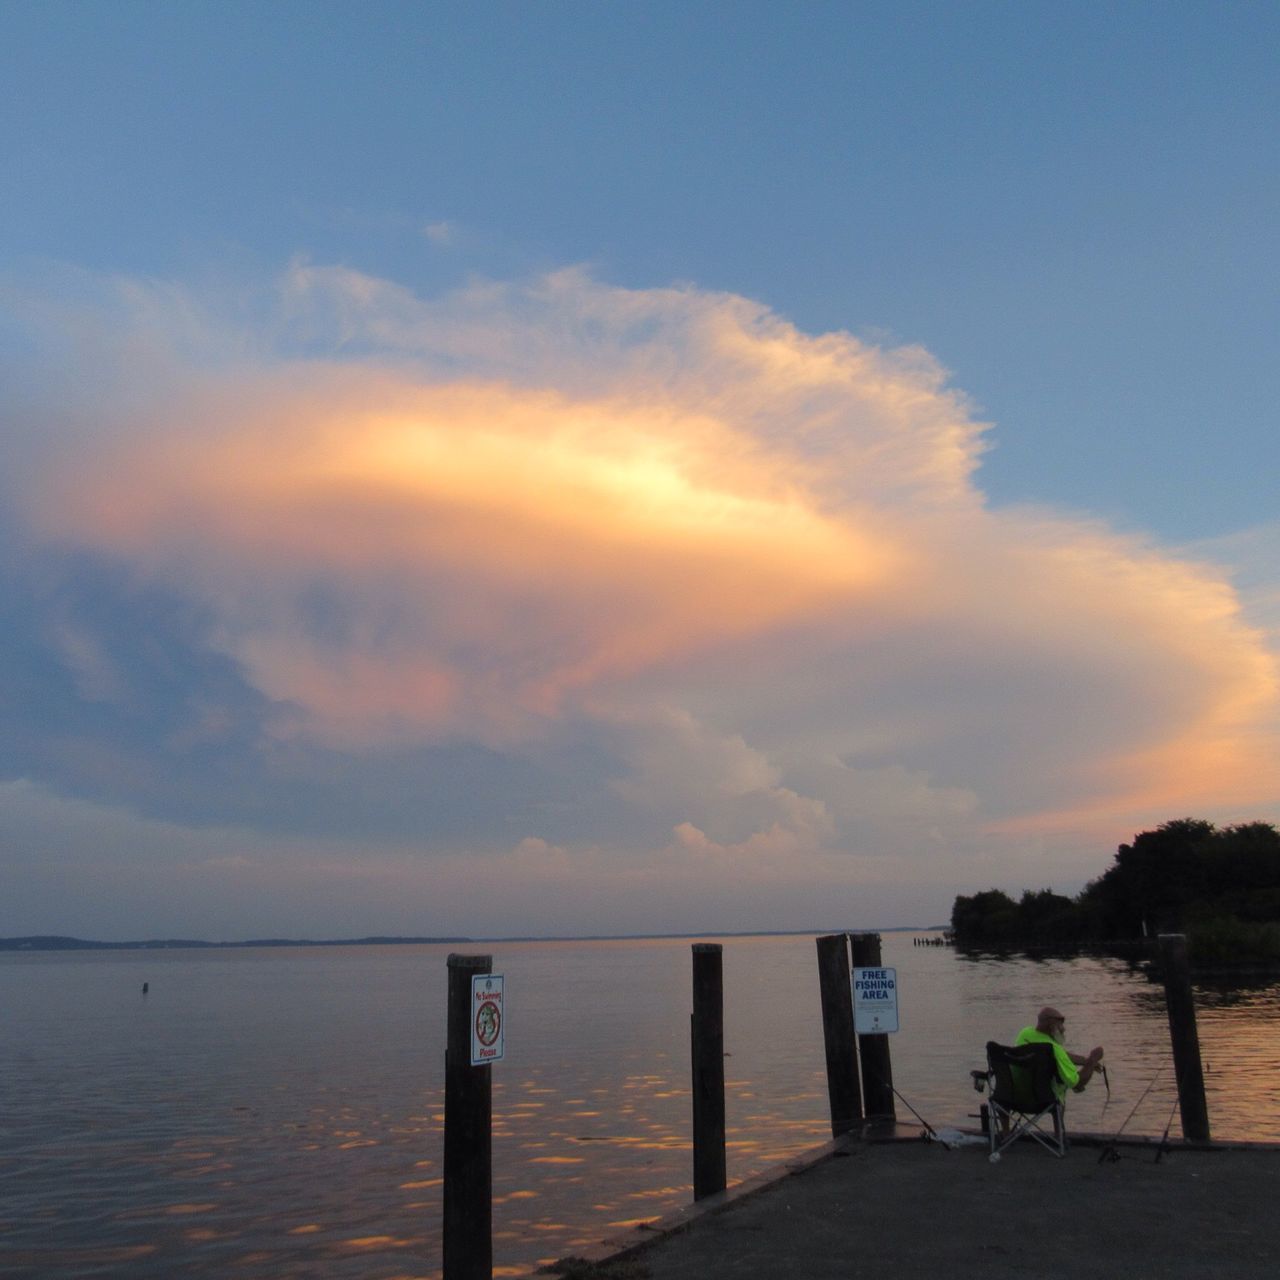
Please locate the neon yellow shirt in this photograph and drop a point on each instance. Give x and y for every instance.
(1068, 1073)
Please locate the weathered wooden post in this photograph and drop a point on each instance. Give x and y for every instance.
(843, 1091)
(873, 1050)
(707, 1039)
(468, 1150)
(1186, 1039)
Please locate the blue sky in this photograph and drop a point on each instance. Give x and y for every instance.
(1033, 245)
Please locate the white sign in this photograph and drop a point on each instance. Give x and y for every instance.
(486, 1018)
(875, 1001)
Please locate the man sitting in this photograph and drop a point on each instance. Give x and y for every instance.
(1074, 1070)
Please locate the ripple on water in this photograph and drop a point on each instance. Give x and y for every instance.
(280, 1113)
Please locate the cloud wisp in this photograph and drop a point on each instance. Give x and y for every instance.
(747, 572)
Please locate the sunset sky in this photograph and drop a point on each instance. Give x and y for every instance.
(570, 468)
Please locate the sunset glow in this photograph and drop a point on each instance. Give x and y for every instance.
(761, 485)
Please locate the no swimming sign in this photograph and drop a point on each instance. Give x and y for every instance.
(487, 1032)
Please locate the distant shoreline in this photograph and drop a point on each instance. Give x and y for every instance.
(53, 942)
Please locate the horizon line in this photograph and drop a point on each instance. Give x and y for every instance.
(53, 942)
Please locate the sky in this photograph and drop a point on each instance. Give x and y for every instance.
(567, 468)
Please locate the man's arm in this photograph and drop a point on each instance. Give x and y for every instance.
(1088, 1065)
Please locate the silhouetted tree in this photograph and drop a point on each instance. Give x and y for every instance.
(1153, 881)
(1048, 919)
(1244, 872)
(1222, 887)
(987, 919)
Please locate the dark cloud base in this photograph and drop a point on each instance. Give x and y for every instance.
(168, 727)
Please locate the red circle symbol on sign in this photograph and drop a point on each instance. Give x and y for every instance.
(488, 1023)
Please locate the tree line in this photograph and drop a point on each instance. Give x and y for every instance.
(1220, 886)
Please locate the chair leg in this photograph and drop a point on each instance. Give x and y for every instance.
(1008, 1126)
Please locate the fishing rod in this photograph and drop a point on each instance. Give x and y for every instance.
(1164, 1140)
(1109, 1152)
(929, 1131)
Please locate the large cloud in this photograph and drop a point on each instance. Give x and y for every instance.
(749, 568)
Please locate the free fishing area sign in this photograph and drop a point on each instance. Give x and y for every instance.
(875, 1001)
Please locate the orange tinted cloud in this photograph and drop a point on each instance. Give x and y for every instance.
(486, 548)
(669, 517)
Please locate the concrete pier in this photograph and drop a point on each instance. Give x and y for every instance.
(906, 1208)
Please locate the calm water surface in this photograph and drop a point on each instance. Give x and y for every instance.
(279, 1113)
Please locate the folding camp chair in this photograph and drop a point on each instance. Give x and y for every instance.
(1021, 1081)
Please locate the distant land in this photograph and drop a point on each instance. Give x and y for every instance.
(53, 942)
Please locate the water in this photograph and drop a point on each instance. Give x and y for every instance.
(279, 1113)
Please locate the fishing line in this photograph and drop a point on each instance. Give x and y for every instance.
(1106, 1080)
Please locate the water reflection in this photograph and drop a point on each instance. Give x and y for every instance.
(280, 1113)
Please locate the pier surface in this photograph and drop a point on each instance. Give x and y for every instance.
(916, 1208)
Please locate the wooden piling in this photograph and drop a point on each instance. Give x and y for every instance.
(844, 1094)
(707, 1044)
(468, 1151)
(873, 1050)
(1185, 1038)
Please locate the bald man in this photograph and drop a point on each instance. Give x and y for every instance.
(1074, 1070)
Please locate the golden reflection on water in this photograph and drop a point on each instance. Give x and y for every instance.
(301, 1137)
